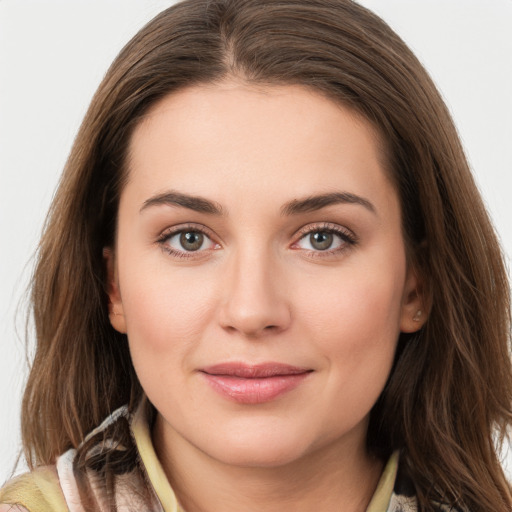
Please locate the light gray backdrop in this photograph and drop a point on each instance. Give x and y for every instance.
(54, 53)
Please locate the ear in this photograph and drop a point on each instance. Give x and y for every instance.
(115, 304)
(414, 307)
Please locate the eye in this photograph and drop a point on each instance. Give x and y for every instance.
(188, 240)
(321, 240)
(324, 239)
(184, 242)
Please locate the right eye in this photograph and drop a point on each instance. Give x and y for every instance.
(185, 242)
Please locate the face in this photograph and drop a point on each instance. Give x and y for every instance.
(259, 272)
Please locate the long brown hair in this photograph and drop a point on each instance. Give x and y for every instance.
(449, 394)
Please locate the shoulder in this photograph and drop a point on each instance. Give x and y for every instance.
(105, 470)
(37, 491)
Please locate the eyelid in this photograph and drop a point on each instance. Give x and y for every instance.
(169, 232)
(186, 226)
(325, 226)
(348, 236)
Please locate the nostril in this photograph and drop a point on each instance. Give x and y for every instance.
(253, 308)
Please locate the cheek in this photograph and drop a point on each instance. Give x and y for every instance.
(353, 300)
(354, 316)
(355, 326)
(166, 313)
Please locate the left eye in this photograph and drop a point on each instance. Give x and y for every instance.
(189, 241)
(321, 241)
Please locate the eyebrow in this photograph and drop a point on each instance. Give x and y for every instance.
(173, 198)
(294, 207)
(317, 202)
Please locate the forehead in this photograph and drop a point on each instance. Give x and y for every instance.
(207, 137)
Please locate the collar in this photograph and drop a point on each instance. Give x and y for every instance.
(142, 435)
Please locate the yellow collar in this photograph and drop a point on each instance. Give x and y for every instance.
(156, 475)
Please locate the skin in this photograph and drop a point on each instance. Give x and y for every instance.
(258, 290)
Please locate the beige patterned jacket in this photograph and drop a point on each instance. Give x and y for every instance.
(139, 484)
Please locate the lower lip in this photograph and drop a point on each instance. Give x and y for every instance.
(254, 390)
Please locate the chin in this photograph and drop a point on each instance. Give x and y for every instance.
(258, 457)
(256, 449)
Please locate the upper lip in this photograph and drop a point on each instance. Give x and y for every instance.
(254, 371)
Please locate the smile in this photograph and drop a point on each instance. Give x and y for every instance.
(253, 384)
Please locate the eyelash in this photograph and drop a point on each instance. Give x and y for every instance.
(164, 238)
(348, 238)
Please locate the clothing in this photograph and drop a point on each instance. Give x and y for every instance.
(140, 483)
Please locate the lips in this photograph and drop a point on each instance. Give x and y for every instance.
(254, 384)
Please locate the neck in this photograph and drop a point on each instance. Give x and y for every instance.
(339, 476)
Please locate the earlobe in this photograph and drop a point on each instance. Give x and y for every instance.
(413, 316)
(115, 304)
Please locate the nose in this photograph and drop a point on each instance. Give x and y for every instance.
(255, 299)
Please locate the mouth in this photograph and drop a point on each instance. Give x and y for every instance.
(254, 384)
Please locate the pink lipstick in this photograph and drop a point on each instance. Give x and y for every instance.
(253, 384)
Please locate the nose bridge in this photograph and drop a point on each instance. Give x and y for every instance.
(254, 298)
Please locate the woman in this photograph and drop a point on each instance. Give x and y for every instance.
(268, 267)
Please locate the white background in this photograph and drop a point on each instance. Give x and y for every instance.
(53, 55)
